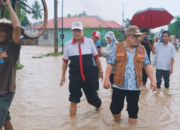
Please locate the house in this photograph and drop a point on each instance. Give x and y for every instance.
(90, 24)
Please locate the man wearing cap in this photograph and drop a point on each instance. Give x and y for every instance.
(129, 58)
(10, 32)
(95, 37)
(79, 51)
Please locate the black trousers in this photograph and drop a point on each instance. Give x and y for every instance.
(96, 76)
(144, 76)
(89, 88)
(132, 98)
(165, 74)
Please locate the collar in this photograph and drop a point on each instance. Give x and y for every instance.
(73, 41)
(167, 44)
(133, 48)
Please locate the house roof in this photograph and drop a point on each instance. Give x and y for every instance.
(91, 22)
(113, 24)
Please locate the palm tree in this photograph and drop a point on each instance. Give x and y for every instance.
(37, 10)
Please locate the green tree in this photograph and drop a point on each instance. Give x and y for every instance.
(127, 23)
(174, 28)
(38, 10)
(21, 13)
(119, 36)
(84, 13)
(69, 15)
(25, 22)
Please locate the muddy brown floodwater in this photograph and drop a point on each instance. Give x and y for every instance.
(40, 104)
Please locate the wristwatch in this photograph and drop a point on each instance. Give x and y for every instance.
(100, 71)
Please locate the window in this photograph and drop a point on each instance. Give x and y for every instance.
(45, 35)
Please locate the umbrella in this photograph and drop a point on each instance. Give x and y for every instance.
(151, 18)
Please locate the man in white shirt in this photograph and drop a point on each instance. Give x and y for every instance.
(165, 52)
(79, 51)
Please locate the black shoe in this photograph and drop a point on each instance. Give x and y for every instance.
(158, 87)
(166, 87)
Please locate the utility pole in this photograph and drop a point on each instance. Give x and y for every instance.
(55, 27)
(123, 4)
(62, 27)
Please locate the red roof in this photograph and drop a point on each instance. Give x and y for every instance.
(91, 22)
(113, 24)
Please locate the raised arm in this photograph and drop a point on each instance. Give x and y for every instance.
(15, 22)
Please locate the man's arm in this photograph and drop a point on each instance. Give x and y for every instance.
(153, 48)
(15, 22)
(172, 63)
(98, 63)
(107, 75)
(64, 68)
(150, 74)
(149, 44)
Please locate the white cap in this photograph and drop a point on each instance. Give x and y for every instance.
(77, 25)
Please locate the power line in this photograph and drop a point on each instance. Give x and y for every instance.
(97, 10)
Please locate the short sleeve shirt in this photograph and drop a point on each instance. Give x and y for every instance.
(80, 56)
(130, 82)
(97, 44)
(164, 55)
(9, 54)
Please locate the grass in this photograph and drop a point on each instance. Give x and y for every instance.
(48, 55)
(19, 66)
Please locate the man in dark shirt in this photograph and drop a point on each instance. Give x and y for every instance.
(10, 32)
(148, 46)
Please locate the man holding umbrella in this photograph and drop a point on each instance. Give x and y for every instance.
(148, 46)
(151, 18)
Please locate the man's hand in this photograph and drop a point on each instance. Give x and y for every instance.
(101, 75)
(142, 38)
(62, 81)
(7, 3)
(147, 42)
(153, 85)
(107, 84)
(171, 71)
(99, 50)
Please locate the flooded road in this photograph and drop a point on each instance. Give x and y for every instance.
(40, 104)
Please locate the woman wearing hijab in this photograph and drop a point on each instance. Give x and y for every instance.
(111, 40)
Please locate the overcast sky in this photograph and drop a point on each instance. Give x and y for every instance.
(111, 9)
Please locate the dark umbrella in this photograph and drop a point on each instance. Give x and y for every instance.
(151, 18)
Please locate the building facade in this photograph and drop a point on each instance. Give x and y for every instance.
(90, 24)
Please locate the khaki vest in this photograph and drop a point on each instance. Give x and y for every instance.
(121, 61)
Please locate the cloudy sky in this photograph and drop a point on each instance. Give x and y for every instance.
(112, 9)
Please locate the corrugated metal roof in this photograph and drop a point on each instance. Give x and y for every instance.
(91, 22)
